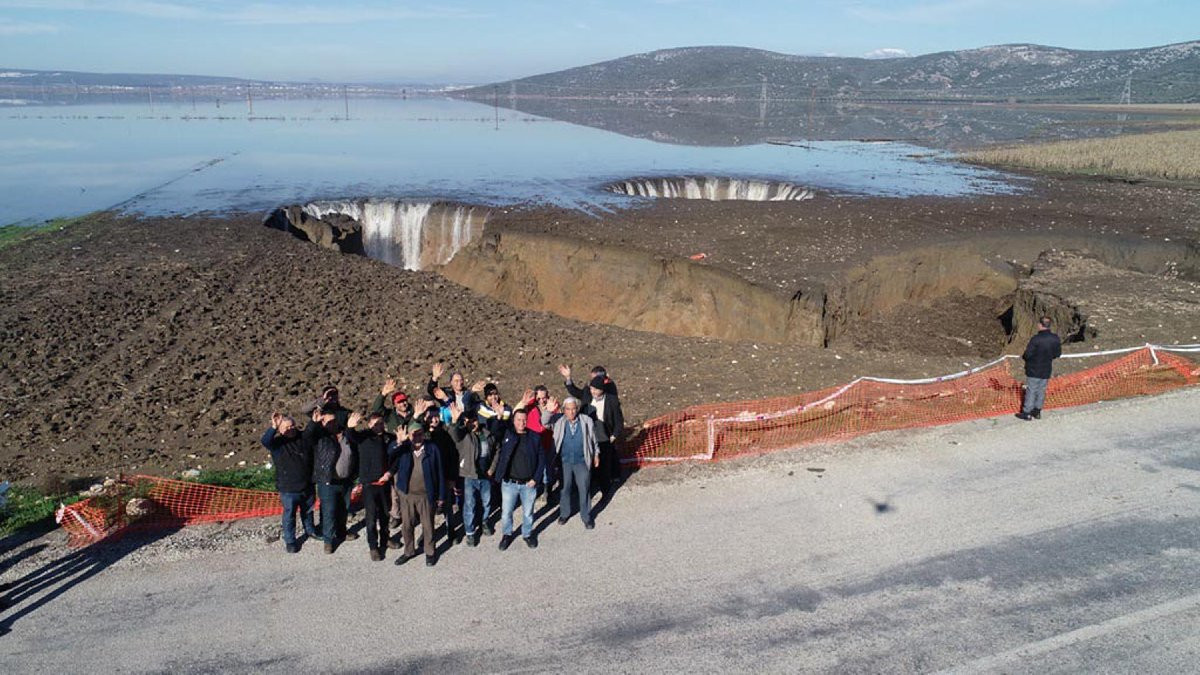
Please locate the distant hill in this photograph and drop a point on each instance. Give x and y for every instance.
(52, 78)
(1018, 72)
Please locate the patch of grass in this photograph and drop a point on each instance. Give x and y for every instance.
(248, 478)
(13, 234)
(1168, 155)
(29, 507)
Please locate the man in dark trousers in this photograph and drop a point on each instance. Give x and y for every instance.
(292, 455)
(605, 409)
(517, 466)
(376, 449)
(1039, 357)
(421, 483)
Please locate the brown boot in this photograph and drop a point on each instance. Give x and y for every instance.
(376, 555)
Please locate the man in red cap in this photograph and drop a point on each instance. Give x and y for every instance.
(399, 420)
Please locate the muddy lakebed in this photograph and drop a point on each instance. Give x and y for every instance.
(155, 340)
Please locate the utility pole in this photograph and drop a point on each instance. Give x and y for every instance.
(250, 101)
(346, 101)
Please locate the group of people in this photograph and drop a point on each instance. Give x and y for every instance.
(445, 452)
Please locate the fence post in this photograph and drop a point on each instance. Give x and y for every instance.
(712, 436)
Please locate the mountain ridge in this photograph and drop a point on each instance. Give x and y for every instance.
(1018, 71)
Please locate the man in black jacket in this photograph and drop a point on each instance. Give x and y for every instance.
(376, 454)
(1039, 357)
(605, 409)
(584, 394)
(517, 466)
(292, 456)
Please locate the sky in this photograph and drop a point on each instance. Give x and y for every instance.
(477, 41)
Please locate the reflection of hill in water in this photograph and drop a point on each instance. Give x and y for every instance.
(745, 122)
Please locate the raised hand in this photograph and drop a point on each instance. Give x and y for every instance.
(316, 415)
(478, 386)
(526, 398)
(388, 387)
(552, 404)
(276, 418)
(439, 394)
(438, 369)
(420, 407)
(455, 412)
(565, 371)
(355, 419)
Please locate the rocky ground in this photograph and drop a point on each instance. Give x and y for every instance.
(155, 345)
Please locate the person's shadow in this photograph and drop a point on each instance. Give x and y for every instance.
(44, 585)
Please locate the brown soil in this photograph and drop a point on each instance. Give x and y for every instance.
(161, 344)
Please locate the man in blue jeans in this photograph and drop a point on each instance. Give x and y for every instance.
(292, 455)
(475, 453)
(517, 466)
(1039, 357)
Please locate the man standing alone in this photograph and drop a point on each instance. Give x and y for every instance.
(1039, 356)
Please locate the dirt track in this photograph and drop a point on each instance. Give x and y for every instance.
(162, 344)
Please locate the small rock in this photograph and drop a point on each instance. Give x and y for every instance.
(191, 473)
(138, 507)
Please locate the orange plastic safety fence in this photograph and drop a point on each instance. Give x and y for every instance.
(704, 432)
(721, 431)
(149, 502)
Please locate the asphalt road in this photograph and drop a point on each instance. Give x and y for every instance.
(1066, 545)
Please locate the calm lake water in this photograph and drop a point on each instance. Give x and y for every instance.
(179, 159)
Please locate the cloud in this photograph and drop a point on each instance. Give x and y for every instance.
(10, 27)
(260, 13)
(887, 53)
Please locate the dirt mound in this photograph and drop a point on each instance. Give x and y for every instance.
(161, 344)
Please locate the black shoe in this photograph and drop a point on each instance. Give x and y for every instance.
(376, 555)
(350, 536)
(488, 530)
(505, 541)
(590, 525)
(292, 548)
(562, 521)
(458, 539)
(531, 542)
(392, 543)
(430, 561)
(1024, 416)
(404, 558)
(1036, 413)
(329, 547)
(472, 540)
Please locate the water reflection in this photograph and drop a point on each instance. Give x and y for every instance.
(66, 160)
